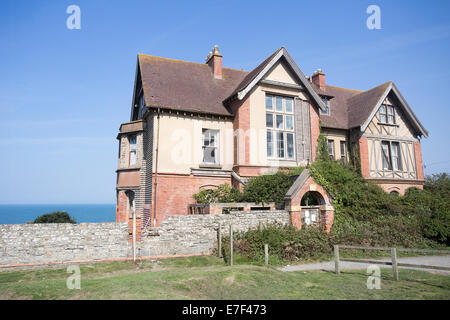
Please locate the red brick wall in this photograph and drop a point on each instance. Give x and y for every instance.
(216, 65)
(306, 187)
(175, 193)
(399, 187)
(364, 157)
(241, 125)
(315, 130)
(319, 79)
(138, 229)
(418, 159)
(121, 207)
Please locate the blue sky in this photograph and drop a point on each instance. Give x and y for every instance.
(64, 93)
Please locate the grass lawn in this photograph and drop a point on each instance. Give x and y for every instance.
(209, 278)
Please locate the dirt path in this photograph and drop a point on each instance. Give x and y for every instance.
(442, 261)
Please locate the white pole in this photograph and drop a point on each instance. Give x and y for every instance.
(134, 235)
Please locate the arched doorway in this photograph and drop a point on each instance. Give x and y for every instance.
(310, 204)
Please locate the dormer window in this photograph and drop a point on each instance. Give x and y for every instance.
(387, 114)
(327, 105)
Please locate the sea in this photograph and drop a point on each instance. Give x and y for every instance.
(23, 213)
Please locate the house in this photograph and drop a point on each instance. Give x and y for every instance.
(197, 125)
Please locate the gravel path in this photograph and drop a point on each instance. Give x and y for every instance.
(443, 261)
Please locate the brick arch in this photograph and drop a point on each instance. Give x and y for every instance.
(393, 188)
(303, 184)
(311, 186)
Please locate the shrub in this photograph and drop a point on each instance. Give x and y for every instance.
(55, 217)
(268, 188)
(264, 188)
(221, 193)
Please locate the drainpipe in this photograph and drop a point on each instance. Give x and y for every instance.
(156, 171)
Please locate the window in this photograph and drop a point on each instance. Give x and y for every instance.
(280, 144)
(210, 146)
(269, 143)
(327, 105)
(387, 114)
(395, 153)
(331, 147)
(269, 120)
(269, 102)
(343, 151)
(391, 155)
(132, 140)
(279, 103)
(387, 165)
(280, 127)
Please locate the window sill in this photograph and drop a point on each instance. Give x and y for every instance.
(388, 124)
(210, 165)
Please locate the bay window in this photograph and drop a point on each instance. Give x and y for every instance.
(280, 127)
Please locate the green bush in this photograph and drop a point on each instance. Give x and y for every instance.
(221, 193)
(55, 217)
(410, 219)
(268, 188)
(264, 188)
(286, 243)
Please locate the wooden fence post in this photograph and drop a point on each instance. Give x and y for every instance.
(231, 244)
(337, 268)
(394, 263)
(219, 239)
(266, 254)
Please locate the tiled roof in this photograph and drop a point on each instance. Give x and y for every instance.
(188, 86)
(350, 108)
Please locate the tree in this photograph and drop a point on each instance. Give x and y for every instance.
(55, 217)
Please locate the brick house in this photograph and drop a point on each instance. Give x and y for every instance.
(198, 125)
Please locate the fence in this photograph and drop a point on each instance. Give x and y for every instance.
(394, 263)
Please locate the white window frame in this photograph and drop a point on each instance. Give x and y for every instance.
(275, 131)
(332, 147)
(387, 111)
(343, 144)
(133, 149)
(394, 163)
(216, 134)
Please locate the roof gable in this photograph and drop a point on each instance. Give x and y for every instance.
(254, 77)
(352, 108)
(376, 98)
(281, 73)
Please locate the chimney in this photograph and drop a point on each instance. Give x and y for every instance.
(318, 78)
(214, 61)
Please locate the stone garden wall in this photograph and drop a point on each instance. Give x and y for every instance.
(57, 242)
(178, 235)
